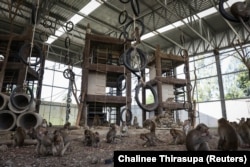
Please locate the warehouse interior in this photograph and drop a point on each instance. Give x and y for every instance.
(74, 61)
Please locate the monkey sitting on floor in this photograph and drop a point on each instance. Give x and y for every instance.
(19, 136)
(179, 137)
(44, 141)
(244, 132)
(228, 139)
(96, 121)
(197, 138)
(91, 138)
(149, 137)
(58, 145)
(124, 130)
(111, 135)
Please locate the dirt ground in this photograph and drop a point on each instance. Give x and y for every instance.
(87, 156)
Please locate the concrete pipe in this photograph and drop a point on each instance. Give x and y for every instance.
(22, 100)
(7, 120)
(28, 120)
(4, 99)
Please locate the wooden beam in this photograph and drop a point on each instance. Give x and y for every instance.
(107, 99)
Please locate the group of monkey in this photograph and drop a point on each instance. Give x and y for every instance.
(49, 142)
(232, 135)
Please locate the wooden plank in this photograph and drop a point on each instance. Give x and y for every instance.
(106, 68)
(174, 105)
(107, 99)
(168, 80)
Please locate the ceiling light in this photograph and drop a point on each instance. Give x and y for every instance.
(148, 35)
(86, 10)
(90, 7)
(51, 39)
(76, 18)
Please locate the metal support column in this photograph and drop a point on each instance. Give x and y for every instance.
(220, 82)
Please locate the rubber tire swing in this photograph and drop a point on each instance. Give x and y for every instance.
(67, 59)
(119, 82)
(223, 12)
(25, 46)
(12, 96)
(143, 106)
(124, 1)
(43, 36)
(128, 115)
(135, 7)
(127, 57)
(121, 15)
(67, 42)
(69, 28)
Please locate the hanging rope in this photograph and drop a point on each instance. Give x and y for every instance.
(31, 44)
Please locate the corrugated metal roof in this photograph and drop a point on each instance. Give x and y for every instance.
(104, 20)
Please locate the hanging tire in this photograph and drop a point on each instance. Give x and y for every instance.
(125, 14)
(124, 1)
(127, 59)
(13, 102)
(67, 59)
(123, 34)
(142, 28)
(143, 106)
(69, 74)
(69, 26)
(47, 23)
(43, 36)
(128, 115)
(119, 82)
(223, 12)
(36, 48)
(67, 42)
(135, 7)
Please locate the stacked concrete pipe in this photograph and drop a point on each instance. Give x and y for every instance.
(22, 102)
(4, 100)
(29, 120)
(7, 120)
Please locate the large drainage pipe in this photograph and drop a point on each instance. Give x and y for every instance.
(21, 103)
(4, 99)
(29, 120)
(7, 120)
